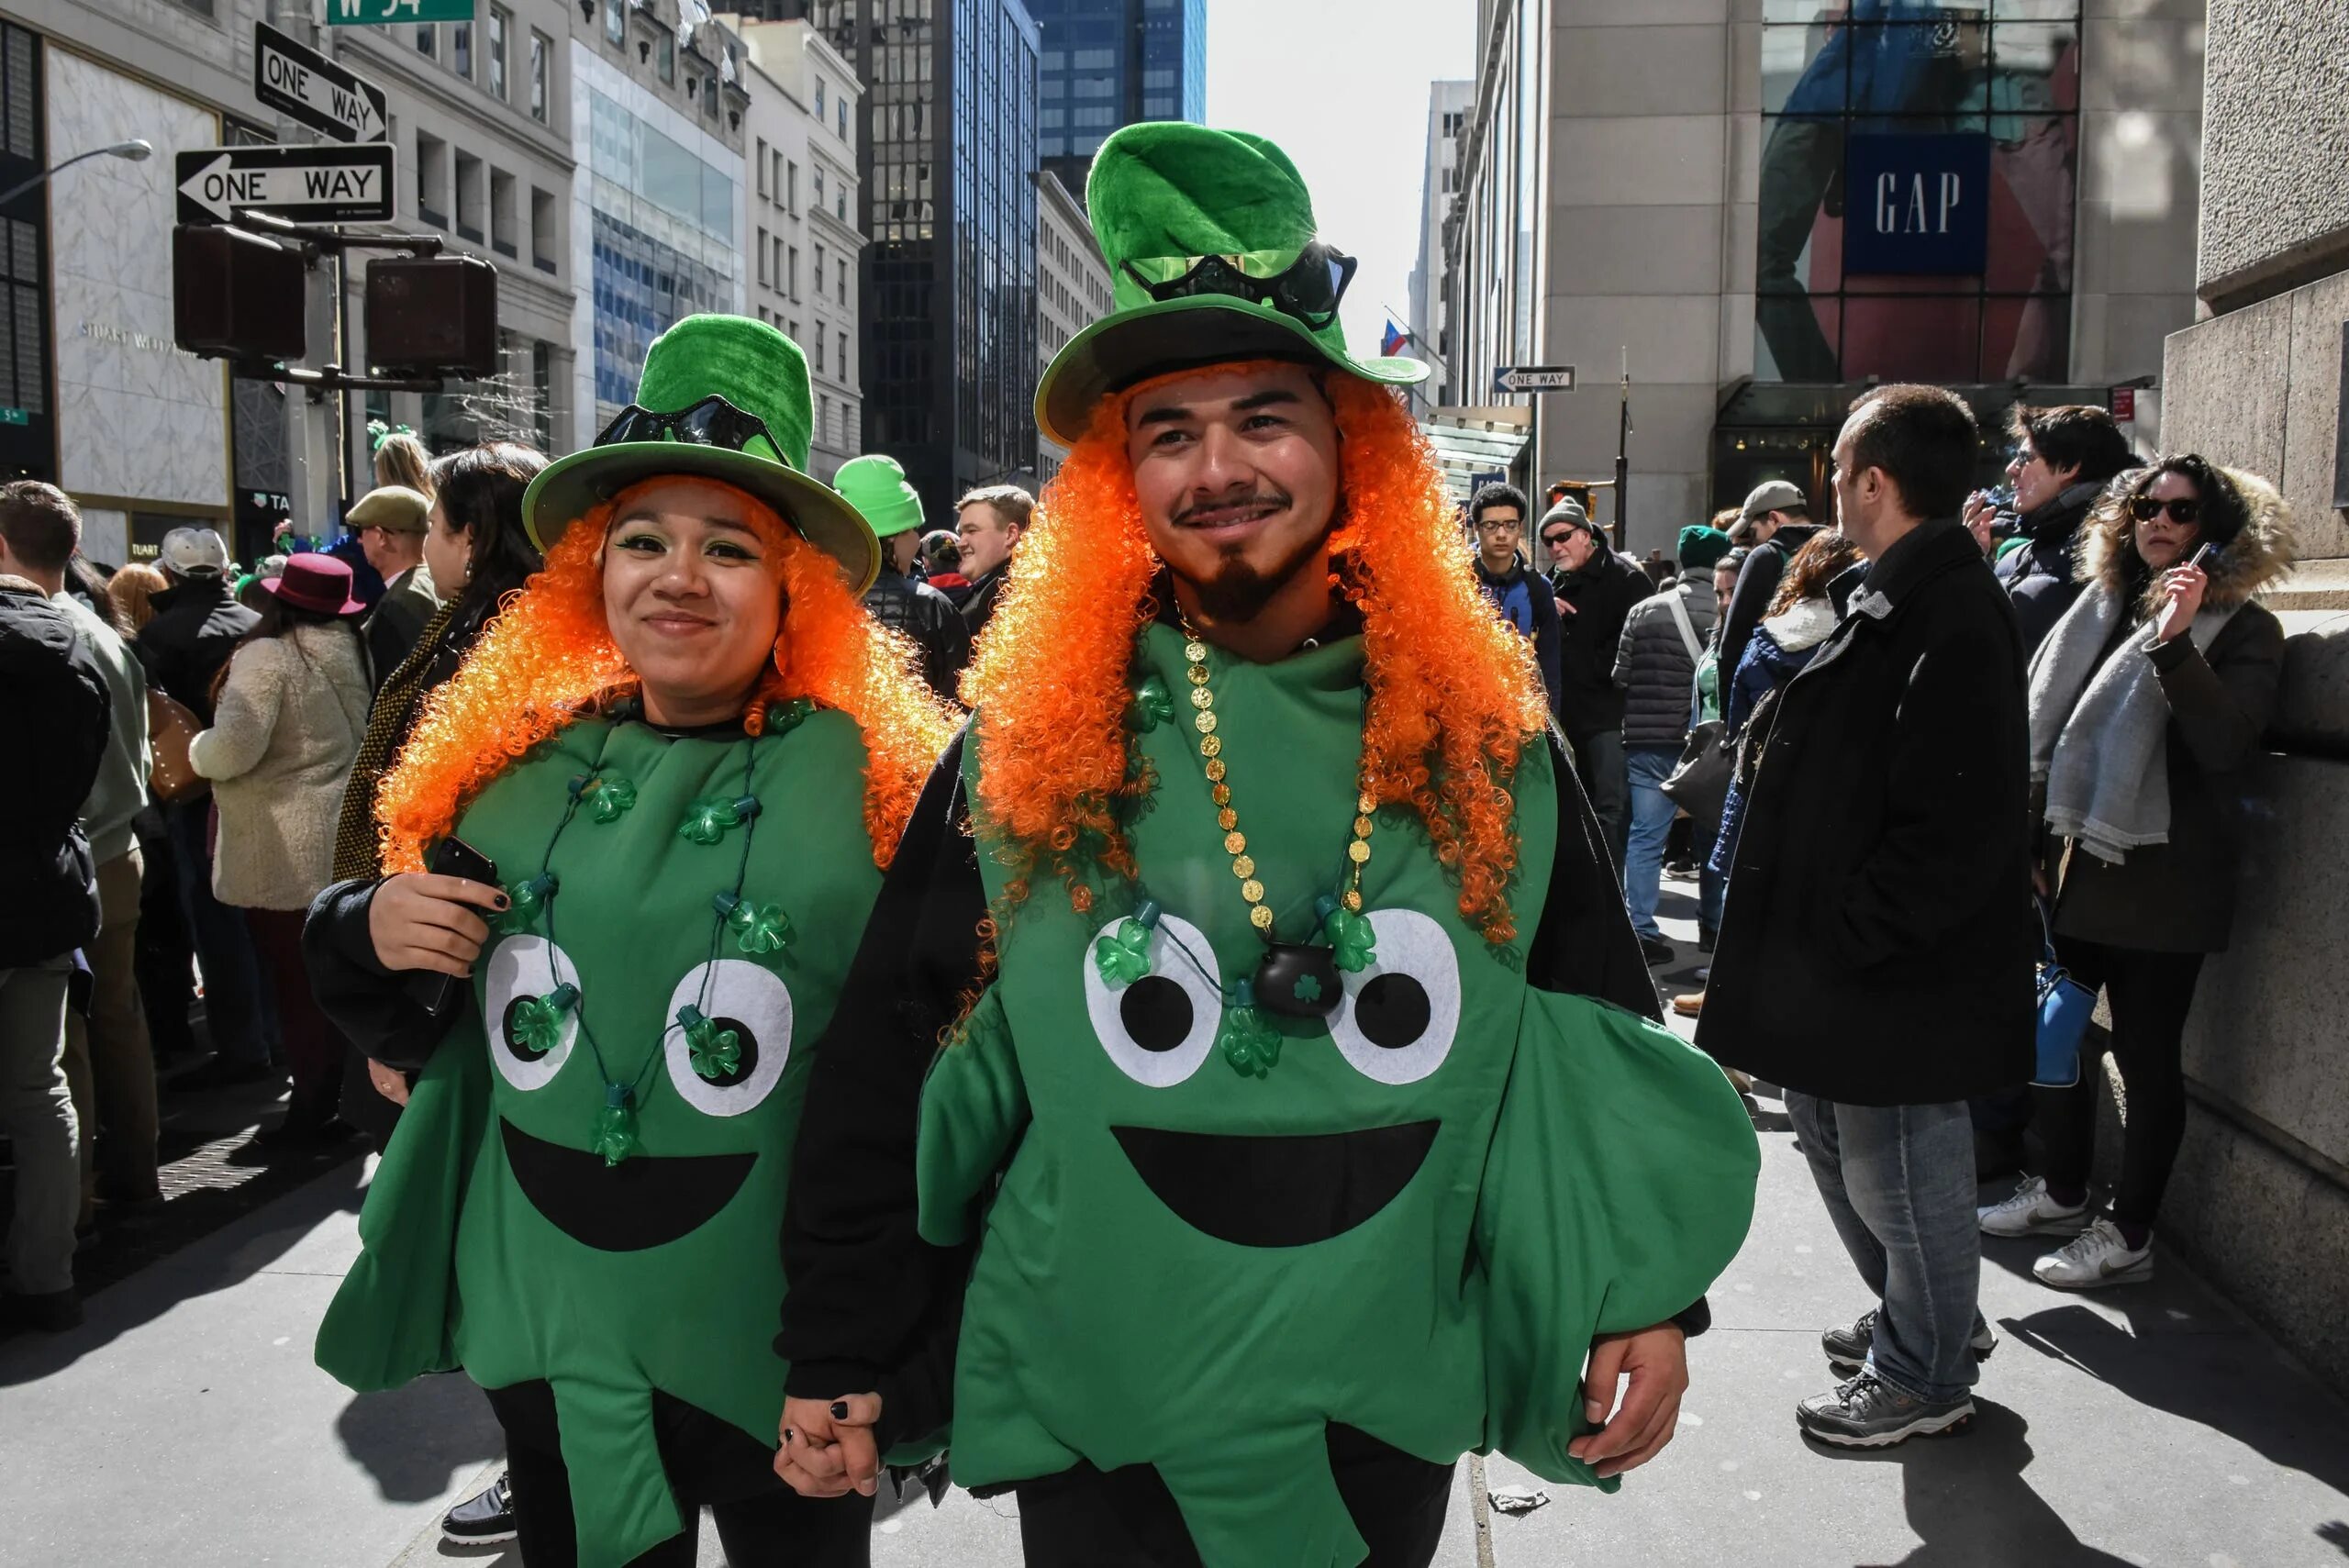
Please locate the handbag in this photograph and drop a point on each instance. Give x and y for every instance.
(172, 726)
(2064, 1009)
(1698, 783)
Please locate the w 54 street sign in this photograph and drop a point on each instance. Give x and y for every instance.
(307, 185)
(382, 12)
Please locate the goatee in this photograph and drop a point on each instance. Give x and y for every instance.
(1238, 592)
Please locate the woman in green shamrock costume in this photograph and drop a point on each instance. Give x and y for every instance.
(687, 751)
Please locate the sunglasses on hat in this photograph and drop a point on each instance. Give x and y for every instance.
(2184, 511)
(712, 422)
(1307, 287)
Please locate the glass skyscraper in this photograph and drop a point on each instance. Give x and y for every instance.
(1107, 64)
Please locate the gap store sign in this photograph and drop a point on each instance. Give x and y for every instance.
(1916, 206)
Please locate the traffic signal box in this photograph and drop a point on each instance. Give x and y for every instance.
(237, 295)
(432, 316)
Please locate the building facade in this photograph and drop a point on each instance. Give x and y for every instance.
(1107, 64)
(946, 157)
(805, 252)
(1449, 104)
(1765, 206)
(1072, 288)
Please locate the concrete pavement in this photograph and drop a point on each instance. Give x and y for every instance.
(185, 1424)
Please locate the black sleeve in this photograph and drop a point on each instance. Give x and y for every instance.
(374, 1007)
(1584, 944)
(870, 1304)
(1756, 581)
(1549, 635)
(949, 645)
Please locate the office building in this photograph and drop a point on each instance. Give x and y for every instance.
(1107, 64)
(1072, 287)
(1448, 106)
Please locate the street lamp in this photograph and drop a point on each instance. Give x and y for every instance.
(137, 151)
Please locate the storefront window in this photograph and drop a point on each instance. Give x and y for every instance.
(1919, 168)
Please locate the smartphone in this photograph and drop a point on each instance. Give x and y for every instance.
(2204, 557)
(451, 856)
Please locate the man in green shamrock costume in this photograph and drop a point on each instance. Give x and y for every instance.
(686, 750)
(1299, 1109)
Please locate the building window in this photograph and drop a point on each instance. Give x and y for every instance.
(498, 25)
(791, 274)
(432, 180)
(615, 23)
(839, 201)
(762, 166)
(819, 347)
(823, 419)
(840, 273)
(543, 234)
(1954, 138)
(819, 185)
(819, 272)
(841, 109)
(469, 197)
(791, 188)
(540, 49)
(762, 258)
(460, 49)
(501, 213)
(843, 360)
(819, 97)
(666, 53)
(427, 40)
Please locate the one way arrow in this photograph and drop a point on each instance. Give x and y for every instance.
(315, 90)
(315, 184)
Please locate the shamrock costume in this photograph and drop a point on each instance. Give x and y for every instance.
(1269, 1157)
(580, 1204)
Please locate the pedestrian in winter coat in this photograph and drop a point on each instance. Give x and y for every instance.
(2063, 459)
(876, 486)
(1596, 589)
(1655, 668)
(1520, 596)
(1773, 524)
(279, 750)
(2146, 701)
(391, 523)
(196, 625)
(1875, 955)
(989, 521)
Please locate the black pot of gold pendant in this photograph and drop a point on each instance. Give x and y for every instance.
(1297, 982)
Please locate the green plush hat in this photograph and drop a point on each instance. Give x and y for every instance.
(760, 374)
(1221, 214)
(1701, 547)
(876, 486)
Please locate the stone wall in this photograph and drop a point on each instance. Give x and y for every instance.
(2276, 147)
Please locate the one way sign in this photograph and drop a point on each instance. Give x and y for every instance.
(306, 184)
(315, 90)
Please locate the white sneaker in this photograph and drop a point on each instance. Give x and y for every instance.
(2096, 1258)
(2030, 1212)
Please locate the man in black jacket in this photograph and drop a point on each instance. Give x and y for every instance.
(2062, 458)
(1773, 524)
(57, 701)
(989, 521)
(197, 624)
(1876, 962)
(1596, 589)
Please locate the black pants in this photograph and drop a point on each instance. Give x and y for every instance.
(2150, 993)
(1127, 1518)
(761, 1521)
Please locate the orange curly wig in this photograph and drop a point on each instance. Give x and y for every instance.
(548, 659)
(1455, 694)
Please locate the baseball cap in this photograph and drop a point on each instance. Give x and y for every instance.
(1771, 495)
(194, 553)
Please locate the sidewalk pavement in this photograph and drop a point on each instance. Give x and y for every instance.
(184, 1423)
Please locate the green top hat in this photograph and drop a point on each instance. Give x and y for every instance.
(755, 438)
(1213, 257)
(876, 486)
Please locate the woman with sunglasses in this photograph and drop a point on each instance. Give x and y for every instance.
(654, 802)
(2146, 699)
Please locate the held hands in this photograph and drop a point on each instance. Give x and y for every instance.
(828, 1447)
(1657, 1361)
(417, 921)
(2182, 588)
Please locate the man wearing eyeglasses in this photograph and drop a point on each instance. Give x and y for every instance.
(1522, 596)
(1596, 589)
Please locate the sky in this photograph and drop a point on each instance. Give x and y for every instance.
(1341, 86)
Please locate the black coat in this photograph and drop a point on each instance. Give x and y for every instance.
(2041, 577)
(1599, 600)
(978, 605)
(1653, 665)
(930, 620)
(197, 624)
(1878, 942)
(1757, 583)
(55, 702)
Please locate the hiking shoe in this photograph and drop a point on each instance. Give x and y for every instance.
(2030, 1212)
(1691, 1005)
(483, 1518)
(1868, 1412)
(1847, 1344)
(2098, 1257)
(1656, 949)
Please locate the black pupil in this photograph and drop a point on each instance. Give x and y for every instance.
(1392, 1011)
(514, 1041)
(1156, 1013)
(749, 1058)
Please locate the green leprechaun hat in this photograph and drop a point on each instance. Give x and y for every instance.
(1213, 256)
(876, 486)
(721, 398)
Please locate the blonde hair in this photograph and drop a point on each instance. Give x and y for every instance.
(402, 460)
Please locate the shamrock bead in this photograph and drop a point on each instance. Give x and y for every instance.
(614, 1134)
(760, 928)
(1248, 1040)
(537, 1020)
(1350, 935)
(526, 901)
(1152, 706)
(715, 1052)
(707, 821)
(782, 718)
(1123, 956)
(609, 797)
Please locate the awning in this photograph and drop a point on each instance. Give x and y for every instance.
(1476, 447)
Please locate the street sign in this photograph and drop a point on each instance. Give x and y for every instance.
(384, 13)
(306, 184)
(1535, 378)
(2124, 404)
(14, 417)
(315, 90)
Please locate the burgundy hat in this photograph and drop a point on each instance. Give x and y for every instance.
(316, 582)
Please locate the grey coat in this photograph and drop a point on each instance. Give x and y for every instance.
(1652, 668)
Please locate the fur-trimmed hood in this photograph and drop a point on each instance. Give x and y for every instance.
(2257, 558)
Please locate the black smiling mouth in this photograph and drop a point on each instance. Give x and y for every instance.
(1277, 1191)
(643, 1201)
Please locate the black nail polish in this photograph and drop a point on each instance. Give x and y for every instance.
(786, 1434)
(502, 901)
(840, 1410)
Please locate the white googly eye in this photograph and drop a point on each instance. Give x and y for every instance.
(1399, 1014)
(1159, 1029)
(752, 1002)
(523, 969)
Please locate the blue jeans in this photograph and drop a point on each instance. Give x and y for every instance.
(1712, 888)
(1652, 813)
(236, 1007)
(1898, 1182)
